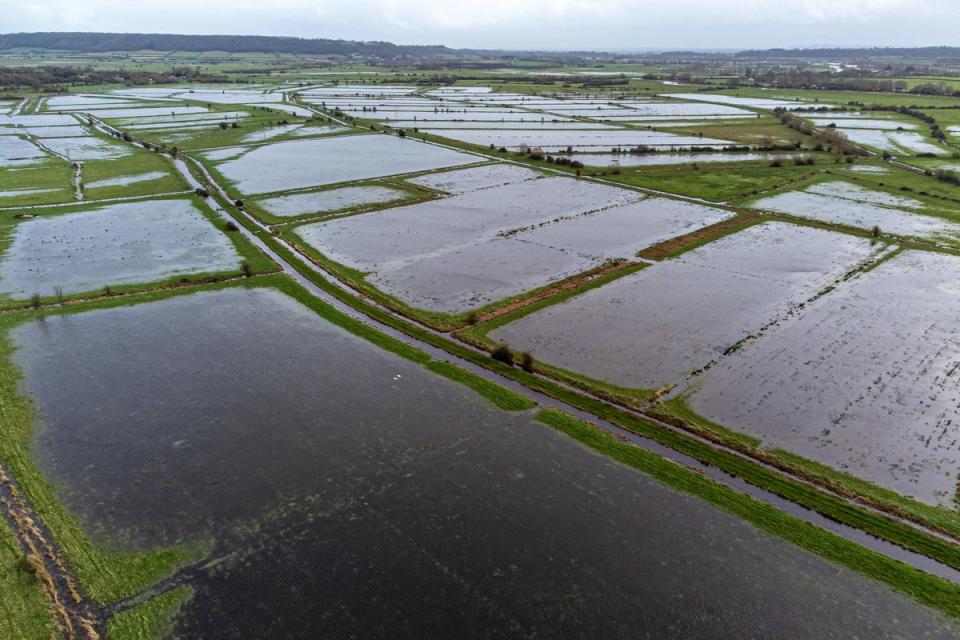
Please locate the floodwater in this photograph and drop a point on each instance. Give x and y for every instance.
(424, 514)
(111, 245)
(906, 142)
(86, 148)
(848, 191)
(654, 327)
(298, 204)
(392, 238)
(561, 139)
(126, 180)
(620, 232)
(16, 151)
(859, 214)
(492, 242)
(889, 336)
(465, 180)
(303, 163)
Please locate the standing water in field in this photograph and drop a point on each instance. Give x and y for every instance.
(351, 493)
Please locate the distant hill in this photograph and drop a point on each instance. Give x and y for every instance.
(936, 53)
(104, 42)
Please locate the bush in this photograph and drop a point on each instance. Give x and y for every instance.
(223, 125)
(247, 268)
(503, 354)
(232, 226)
(527, 362)
(35, 301)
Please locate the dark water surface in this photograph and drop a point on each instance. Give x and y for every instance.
(351, 494)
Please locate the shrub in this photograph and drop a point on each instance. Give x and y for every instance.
(503, 354)
(527, 362)
(223, 125)
(35, 301)
(232, 226)
(875, 232)
(247, 268)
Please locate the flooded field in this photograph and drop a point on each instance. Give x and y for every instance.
(421, 515)
(649, 329)
(620, 232)
(889, 337)
(559, 140)
(860, 213)
(450, 254)
(126, 180)
(298, 204)
(112, 245)
(397, 236)
(303, 163)
(86, 148)
(464, 180)
(16, 151)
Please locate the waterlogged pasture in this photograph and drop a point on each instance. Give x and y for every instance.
(561, 139)
(116, 244)
(419, 515)
(463, 180)
(313, 162)
(84, 148)
(17, 152)
(653, 327)
(865, 380)
(620, 232)
(452, 254)
(858, 207)
(298, 204)
(741, 101)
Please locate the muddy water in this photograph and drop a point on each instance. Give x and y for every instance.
(349, 493)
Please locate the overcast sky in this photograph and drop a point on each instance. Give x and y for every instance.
(542, 24)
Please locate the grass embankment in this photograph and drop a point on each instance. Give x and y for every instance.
(151, 620)
(930, 590)
(24, 609)
(678, 412)
(756, 474)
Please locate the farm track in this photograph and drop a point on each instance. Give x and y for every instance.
(80, 618)
(77, 617)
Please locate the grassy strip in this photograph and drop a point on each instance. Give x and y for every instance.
(681, 244)
(825, 504)
(930, 590)
(151, 620)
(679, 413)
(24, 610)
